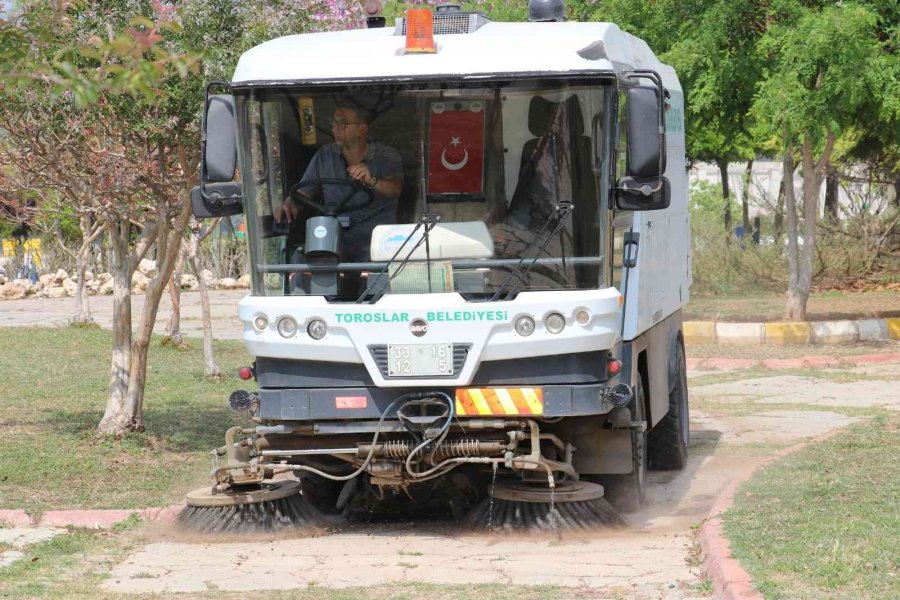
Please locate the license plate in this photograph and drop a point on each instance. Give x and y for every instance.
(417, 360)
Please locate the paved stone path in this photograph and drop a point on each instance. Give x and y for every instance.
(52, 312)
(655, 559)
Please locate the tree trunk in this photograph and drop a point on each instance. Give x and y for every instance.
(897, 190)
(119, 416)
(745, 200)
(82, 303)
(831, 196)
(778, 224)
(209, 360)
(726, 197)
(173, 328)
(796, 305)
(813, 175)
(168, 245)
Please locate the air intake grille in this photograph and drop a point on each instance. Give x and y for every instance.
(380, 356)
(449, 23)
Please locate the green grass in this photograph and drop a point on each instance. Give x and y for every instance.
(55, 382)
(776, 351)
(824, 523)
(769, 306)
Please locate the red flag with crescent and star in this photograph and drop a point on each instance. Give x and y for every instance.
(456, 148)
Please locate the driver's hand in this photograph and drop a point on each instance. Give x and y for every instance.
(360, 173)
(287, 211)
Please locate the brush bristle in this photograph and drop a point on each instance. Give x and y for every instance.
(508, 515)
(257, 517)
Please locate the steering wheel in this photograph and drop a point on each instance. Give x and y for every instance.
(336, 209)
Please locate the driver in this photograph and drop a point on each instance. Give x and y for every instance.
(374, 166)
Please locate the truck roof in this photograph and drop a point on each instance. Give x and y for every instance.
(515, 49)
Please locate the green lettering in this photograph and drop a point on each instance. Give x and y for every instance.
(457, 316)
(431, 316)
(357, 318)
(404, 316)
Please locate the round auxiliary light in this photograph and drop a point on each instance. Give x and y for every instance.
(524, 326)
(287, 327)
(554, 322)
(260, 322)
(317, 329)
(582, 317)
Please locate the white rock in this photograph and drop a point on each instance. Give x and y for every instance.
(207, 276)
(46, 279)
(139, 282)
(93, 285)
(2, 279)
(104, 277)
(147, 267)
(60, 276)
(244, 281)
(189, 282)
(70, 286)
(55, 291)
(106, 288)
(11, 291)
(228, 283)
(26, 285)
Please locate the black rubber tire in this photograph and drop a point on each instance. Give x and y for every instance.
(628, 492)
(668, 441)
(319, 491)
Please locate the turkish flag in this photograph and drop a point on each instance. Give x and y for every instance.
(456, 148)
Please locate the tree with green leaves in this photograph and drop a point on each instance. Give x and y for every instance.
(827, 68)
(122, 68)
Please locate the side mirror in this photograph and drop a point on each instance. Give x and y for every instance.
(219, 145)
(645, 186)
(218, 195)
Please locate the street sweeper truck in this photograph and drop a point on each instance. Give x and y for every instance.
(469, 251)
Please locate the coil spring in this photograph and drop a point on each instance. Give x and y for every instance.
(453, 449)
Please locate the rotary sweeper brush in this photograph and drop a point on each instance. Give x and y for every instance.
(449, 309)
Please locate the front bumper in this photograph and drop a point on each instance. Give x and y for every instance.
(327, 404)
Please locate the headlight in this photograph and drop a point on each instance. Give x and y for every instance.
(554, 322)
(260, 322)
(287, 327)
(317, 329)
(582, 317)
(524, 326)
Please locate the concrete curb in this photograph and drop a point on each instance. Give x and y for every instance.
(730, 580)
(809, 332)
(703, 364)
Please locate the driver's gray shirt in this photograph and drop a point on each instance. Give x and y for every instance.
(382, 161)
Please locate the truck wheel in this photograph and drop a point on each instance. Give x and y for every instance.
(627, 492)
(669, 439)
(321, 492)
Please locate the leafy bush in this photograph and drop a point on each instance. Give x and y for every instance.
(723, 263)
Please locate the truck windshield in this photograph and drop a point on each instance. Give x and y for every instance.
(486, 189)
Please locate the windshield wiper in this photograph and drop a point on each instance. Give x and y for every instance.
(560, 212)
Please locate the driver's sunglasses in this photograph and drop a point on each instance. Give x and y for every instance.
(340, 123)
